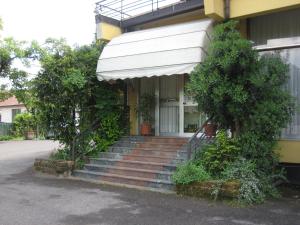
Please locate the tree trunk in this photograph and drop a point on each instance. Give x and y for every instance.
(237, 128)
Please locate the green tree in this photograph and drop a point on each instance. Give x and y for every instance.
(243, 92)
(10, 52)
(69, 98)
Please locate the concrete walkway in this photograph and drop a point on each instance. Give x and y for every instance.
(30, 199)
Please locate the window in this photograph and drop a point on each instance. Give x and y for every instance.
(14, 112)
(292, 57)
(282, 29)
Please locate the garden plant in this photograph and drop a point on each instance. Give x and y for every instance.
(242, 91)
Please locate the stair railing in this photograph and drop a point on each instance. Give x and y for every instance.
(198, 139)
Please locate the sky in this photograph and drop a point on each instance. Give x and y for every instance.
(39, 19)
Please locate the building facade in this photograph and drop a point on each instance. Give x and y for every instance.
(155, 50)
(9, 108)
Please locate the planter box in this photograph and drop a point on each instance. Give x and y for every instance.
(229, 189)
(54, 167)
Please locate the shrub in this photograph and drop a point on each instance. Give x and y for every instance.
(6, 138)
(243, 91)
(244, 171)
(220, 154)
(109, 132)
(190, 172)
(24, 122)
(60, 154)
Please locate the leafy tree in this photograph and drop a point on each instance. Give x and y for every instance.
(4, 93)
(70, 100)
(10, 52)
(243, 92)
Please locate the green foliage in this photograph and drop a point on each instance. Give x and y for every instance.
(255, 186)
(108, 133)
(221, 83)
(234, 84)
(190, 172)
(251, 187)
(146, 107)
(72, 103)
(243, 92)
(6, 138)
(4, 93)
(23, 123)
(220, 154)
(61, 154)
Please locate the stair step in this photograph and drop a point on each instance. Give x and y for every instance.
(128, 149)
(145, 158)
(147, 152)
(158, 145)
(138, 181)
(135, 164)
(127, 171)
(150, 145)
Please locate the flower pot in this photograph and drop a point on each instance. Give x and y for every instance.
(29, 135)
(210, 130)
(146, 129)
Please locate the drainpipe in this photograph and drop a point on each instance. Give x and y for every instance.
(227, 9)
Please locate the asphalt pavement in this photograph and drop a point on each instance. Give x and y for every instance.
(28, 198)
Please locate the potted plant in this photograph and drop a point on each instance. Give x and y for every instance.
(24, 125)
(145, 109)
(210, 129)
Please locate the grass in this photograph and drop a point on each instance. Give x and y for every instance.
(11, 138)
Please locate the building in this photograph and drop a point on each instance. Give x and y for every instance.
(9, 108)
(154, 45)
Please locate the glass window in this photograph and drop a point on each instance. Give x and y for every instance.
(193, 119)
(292, 58)
(15, 112)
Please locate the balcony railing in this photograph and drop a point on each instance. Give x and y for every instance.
(125, 9)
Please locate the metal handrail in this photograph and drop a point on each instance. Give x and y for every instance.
(203, 137)
(124, 9)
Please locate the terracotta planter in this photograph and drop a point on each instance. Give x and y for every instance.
(146, 129)
(29, 135)
(210, 129)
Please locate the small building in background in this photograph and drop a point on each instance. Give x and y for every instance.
(9, 108)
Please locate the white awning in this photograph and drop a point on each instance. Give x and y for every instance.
(167, 50)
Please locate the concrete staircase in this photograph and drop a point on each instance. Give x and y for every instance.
(137, 161)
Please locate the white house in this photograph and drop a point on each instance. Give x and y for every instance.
(9, 108)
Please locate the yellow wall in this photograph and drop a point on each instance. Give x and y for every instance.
(107, 31)
(214, 9)
(289, 151)
(195, 15)
(247, 8)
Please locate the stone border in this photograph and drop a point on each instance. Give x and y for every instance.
(229, 189)
(54, 167)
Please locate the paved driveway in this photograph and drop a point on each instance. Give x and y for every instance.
(30, 199)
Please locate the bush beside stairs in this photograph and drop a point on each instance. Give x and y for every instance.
(141, 162)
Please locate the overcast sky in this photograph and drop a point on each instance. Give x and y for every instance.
(40, 19)
(30, 20)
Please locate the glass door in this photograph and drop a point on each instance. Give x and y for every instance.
(192, 118)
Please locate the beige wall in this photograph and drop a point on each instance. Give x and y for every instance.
(6, 113)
